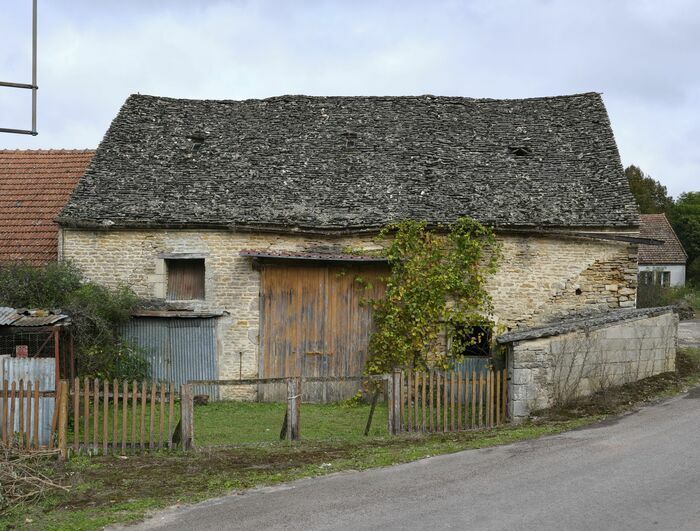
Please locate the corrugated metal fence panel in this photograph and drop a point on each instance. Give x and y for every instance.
(32, 369)
(472, 363)
(179, 350)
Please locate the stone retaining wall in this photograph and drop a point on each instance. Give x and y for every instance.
(555, 364)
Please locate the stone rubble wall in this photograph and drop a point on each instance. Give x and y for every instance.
(549, 370)
(540, 278)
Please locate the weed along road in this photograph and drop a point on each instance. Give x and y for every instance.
(641, 471)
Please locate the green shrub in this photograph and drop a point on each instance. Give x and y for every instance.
(96, 313)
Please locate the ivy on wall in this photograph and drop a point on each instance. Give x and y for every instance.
(436, 287)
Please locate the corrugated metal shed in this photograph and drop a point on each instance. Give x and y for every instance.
(35, 317)
(179, 350)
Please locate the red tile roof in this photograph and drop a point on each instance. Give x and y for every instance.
(671, 252)
(34, 187)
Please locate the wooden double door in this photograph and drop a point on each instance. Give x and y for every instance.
(316, 320)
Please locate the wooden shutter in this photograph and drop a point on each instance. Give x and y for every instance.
(185, 279)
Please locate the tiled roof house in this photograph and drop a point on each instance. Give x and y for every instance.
(243, 210)
(34, 187)
(661, 264)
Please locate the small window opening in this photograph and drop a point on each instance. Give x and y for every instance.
(578, 291)
(185, 279)
(474, 341)
(520, 151)
(350, 138)
(197, 141)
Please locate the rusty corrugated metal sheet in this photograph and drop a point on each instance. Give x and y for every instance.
(22, 317)
(32, 369)
(179, 350)
(7, 316)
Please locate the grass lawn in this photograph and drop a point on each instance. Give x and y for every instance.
(111, 489)
(236, 423)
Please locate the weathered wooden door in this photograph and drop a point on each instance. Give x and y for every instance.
(316, 321)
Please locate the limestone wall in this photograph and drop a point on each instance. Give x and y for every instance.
(540, 278)
(556, 368)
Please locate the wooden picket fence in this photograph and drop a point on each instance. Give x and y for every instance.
(21, 407)
(447, 401)
(119, 417)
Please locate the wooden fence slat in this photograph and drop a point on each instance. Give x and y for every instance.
(115, 415)
(400, 398)
(445, 402)
(431, 403)
(438, 412)
(459, 401)
(134, 394)
(76, 414)
(409, 412)
(151, 438)
(28, 415)
(21, 414)
(5, 397)
(481, 399)
(452, 400)
(415, 401)
(11, 438)
(161, 415)
(472, 419)
(86, 413)
(62, 393)
(424, 391)
(490, 402)
(35, 428)
(54, 418)
(96, 414)
(505, 395)
(105, 415)
(125, 413)
(171, 411)
(143, 415)
(498, 398)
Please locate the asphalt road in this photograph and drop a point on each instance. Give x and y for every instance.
(639, 472)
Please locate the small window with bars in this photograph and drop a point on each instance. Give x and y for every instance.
(185, 279)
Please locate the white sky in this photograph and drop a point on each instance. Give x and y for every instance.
(643, 55)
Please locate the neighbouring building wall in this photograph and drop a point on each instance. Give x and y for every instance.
(619, 348)
(540, 278)
(677, 272)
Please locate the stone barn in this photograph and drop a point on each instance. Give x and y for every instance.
(234, 217)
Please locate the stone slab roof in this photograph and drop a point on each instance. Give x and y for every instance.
(671, 252)
(355, 163)
(591, 322)
(34, 187)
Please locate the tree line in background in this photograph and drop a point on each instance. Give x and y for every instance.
(683, 214)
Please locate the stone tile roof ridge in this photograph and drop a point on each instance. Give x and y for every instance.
(580, 323)
(335, 163)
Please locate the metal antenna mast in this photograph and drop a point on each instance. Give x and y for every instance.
(32, 86)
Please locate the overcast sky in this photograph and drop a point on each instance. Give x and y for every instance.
(643, 55)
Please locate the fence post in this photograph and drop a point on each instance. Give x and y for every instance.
(63, 420)
(393, 396)
(293, 408)
(186, 416)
